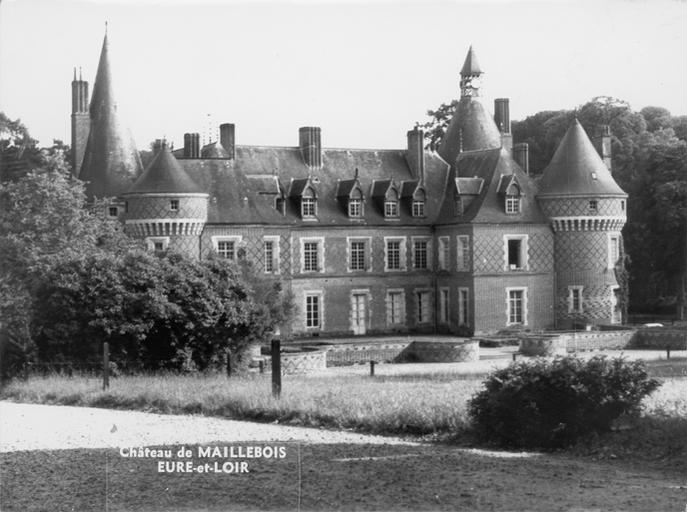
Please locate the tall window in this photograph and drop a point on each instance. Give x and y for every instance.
(575, 299)
(463, 295)
(443, 305)
(444, 252)
(312, 311)
(418, 208)
(463, 253)
(393, 255)
(423, 307)
(512, 204)
(395, 307)
(355, 208)
(226, 249)
(269, 255)
(613, 250)
(516, 306)
(358, 254)
(515, 252)
(420, 254)
(311, 256)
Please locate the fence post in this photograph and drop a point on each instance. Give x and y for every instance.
(276, 369)
(372, 368)
(106, 366)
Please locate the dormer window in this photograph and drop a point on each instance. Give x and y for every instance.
(418, 209)
(355, 208)
(308, 204)
(391, 204)
(512, 204)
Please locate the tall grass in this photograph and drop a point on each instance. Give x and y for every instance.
(415, 406)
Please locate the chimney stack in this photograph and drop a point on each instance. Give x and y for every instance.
(521, 154)
(602, 143)
(415, 153)
(502, 120)
(226, 138)
(311, 147)
(191, 145)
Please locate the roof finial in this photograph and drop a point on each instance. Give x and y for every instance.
(75, 73)
(106, 27)
(80, 76)
(356, 173)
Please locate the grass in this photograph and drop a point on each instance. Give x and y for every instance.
(414, 405)
(419, 405)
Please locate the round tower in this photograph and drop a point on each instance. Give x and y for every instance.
(166, 208)
(587, 211)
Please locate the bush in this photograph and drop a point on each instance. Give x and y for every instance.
(549, 404)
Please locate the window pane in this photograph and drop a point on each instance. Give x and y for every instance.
(421, 255)
(312, 311)
(310, 253)
(225, 249)
(269, 256)
(393, 254)
(358, 255)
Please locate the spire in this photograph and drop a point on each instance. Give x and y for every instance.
(111, 160)
(577, 169)
(471, 65)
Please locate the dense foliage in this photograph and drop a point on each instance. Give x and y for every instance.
(70, 279)
(649, 157)
(550, 404)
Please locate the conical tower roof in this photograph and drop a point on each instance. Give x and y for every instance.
(471, 64)
(164, 175)
(577, 169)
(111, 160)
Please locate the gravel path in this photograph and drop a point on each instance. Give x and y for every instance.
(50, 427)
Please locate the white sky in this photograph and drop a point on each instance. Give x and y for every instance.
(365, 71)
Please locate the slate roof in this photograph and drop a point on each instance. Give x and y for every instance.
(472, 128)
(471, 65)
(576, 169)
(488, 207)
(244, 190)
(111, 161)
(164, 175)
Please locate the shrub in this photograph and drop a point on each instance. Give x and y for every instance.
(550, 404)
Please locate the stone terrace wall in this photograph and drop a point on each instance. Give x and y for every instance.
(660, 338)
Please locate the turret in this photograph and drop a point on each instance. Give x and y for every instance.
(587, 211)
(472, 127)
(165, 207)
(111, 161)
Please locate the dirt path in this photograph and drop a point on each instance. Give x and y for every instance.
(65, 458)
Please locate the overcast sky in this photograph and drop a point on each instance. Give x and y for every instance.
(364, 71)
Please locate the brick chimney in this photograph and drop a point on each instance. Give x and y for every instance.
(502, 120)
(415, 153)
(602, 143)
(191, 145)
(226, 138)
(311, 147)
(521, 154)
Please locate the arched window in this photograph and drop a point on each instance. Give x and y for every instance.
(308, 203)
(355, 203)
(391, 203)
(419, 203)
(512, 199)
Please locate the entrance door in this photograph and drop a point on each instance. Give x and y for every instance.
(359, 306)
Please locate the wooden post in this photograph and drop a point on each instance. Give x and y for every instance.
(276, 369)
(106, 366)
(372, 368)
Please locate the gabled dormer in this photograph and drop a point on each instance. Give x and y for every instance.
(414, 198)
(465, 191)
(304, 195)
(350, 196)
(387, 197)
(511, 192)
